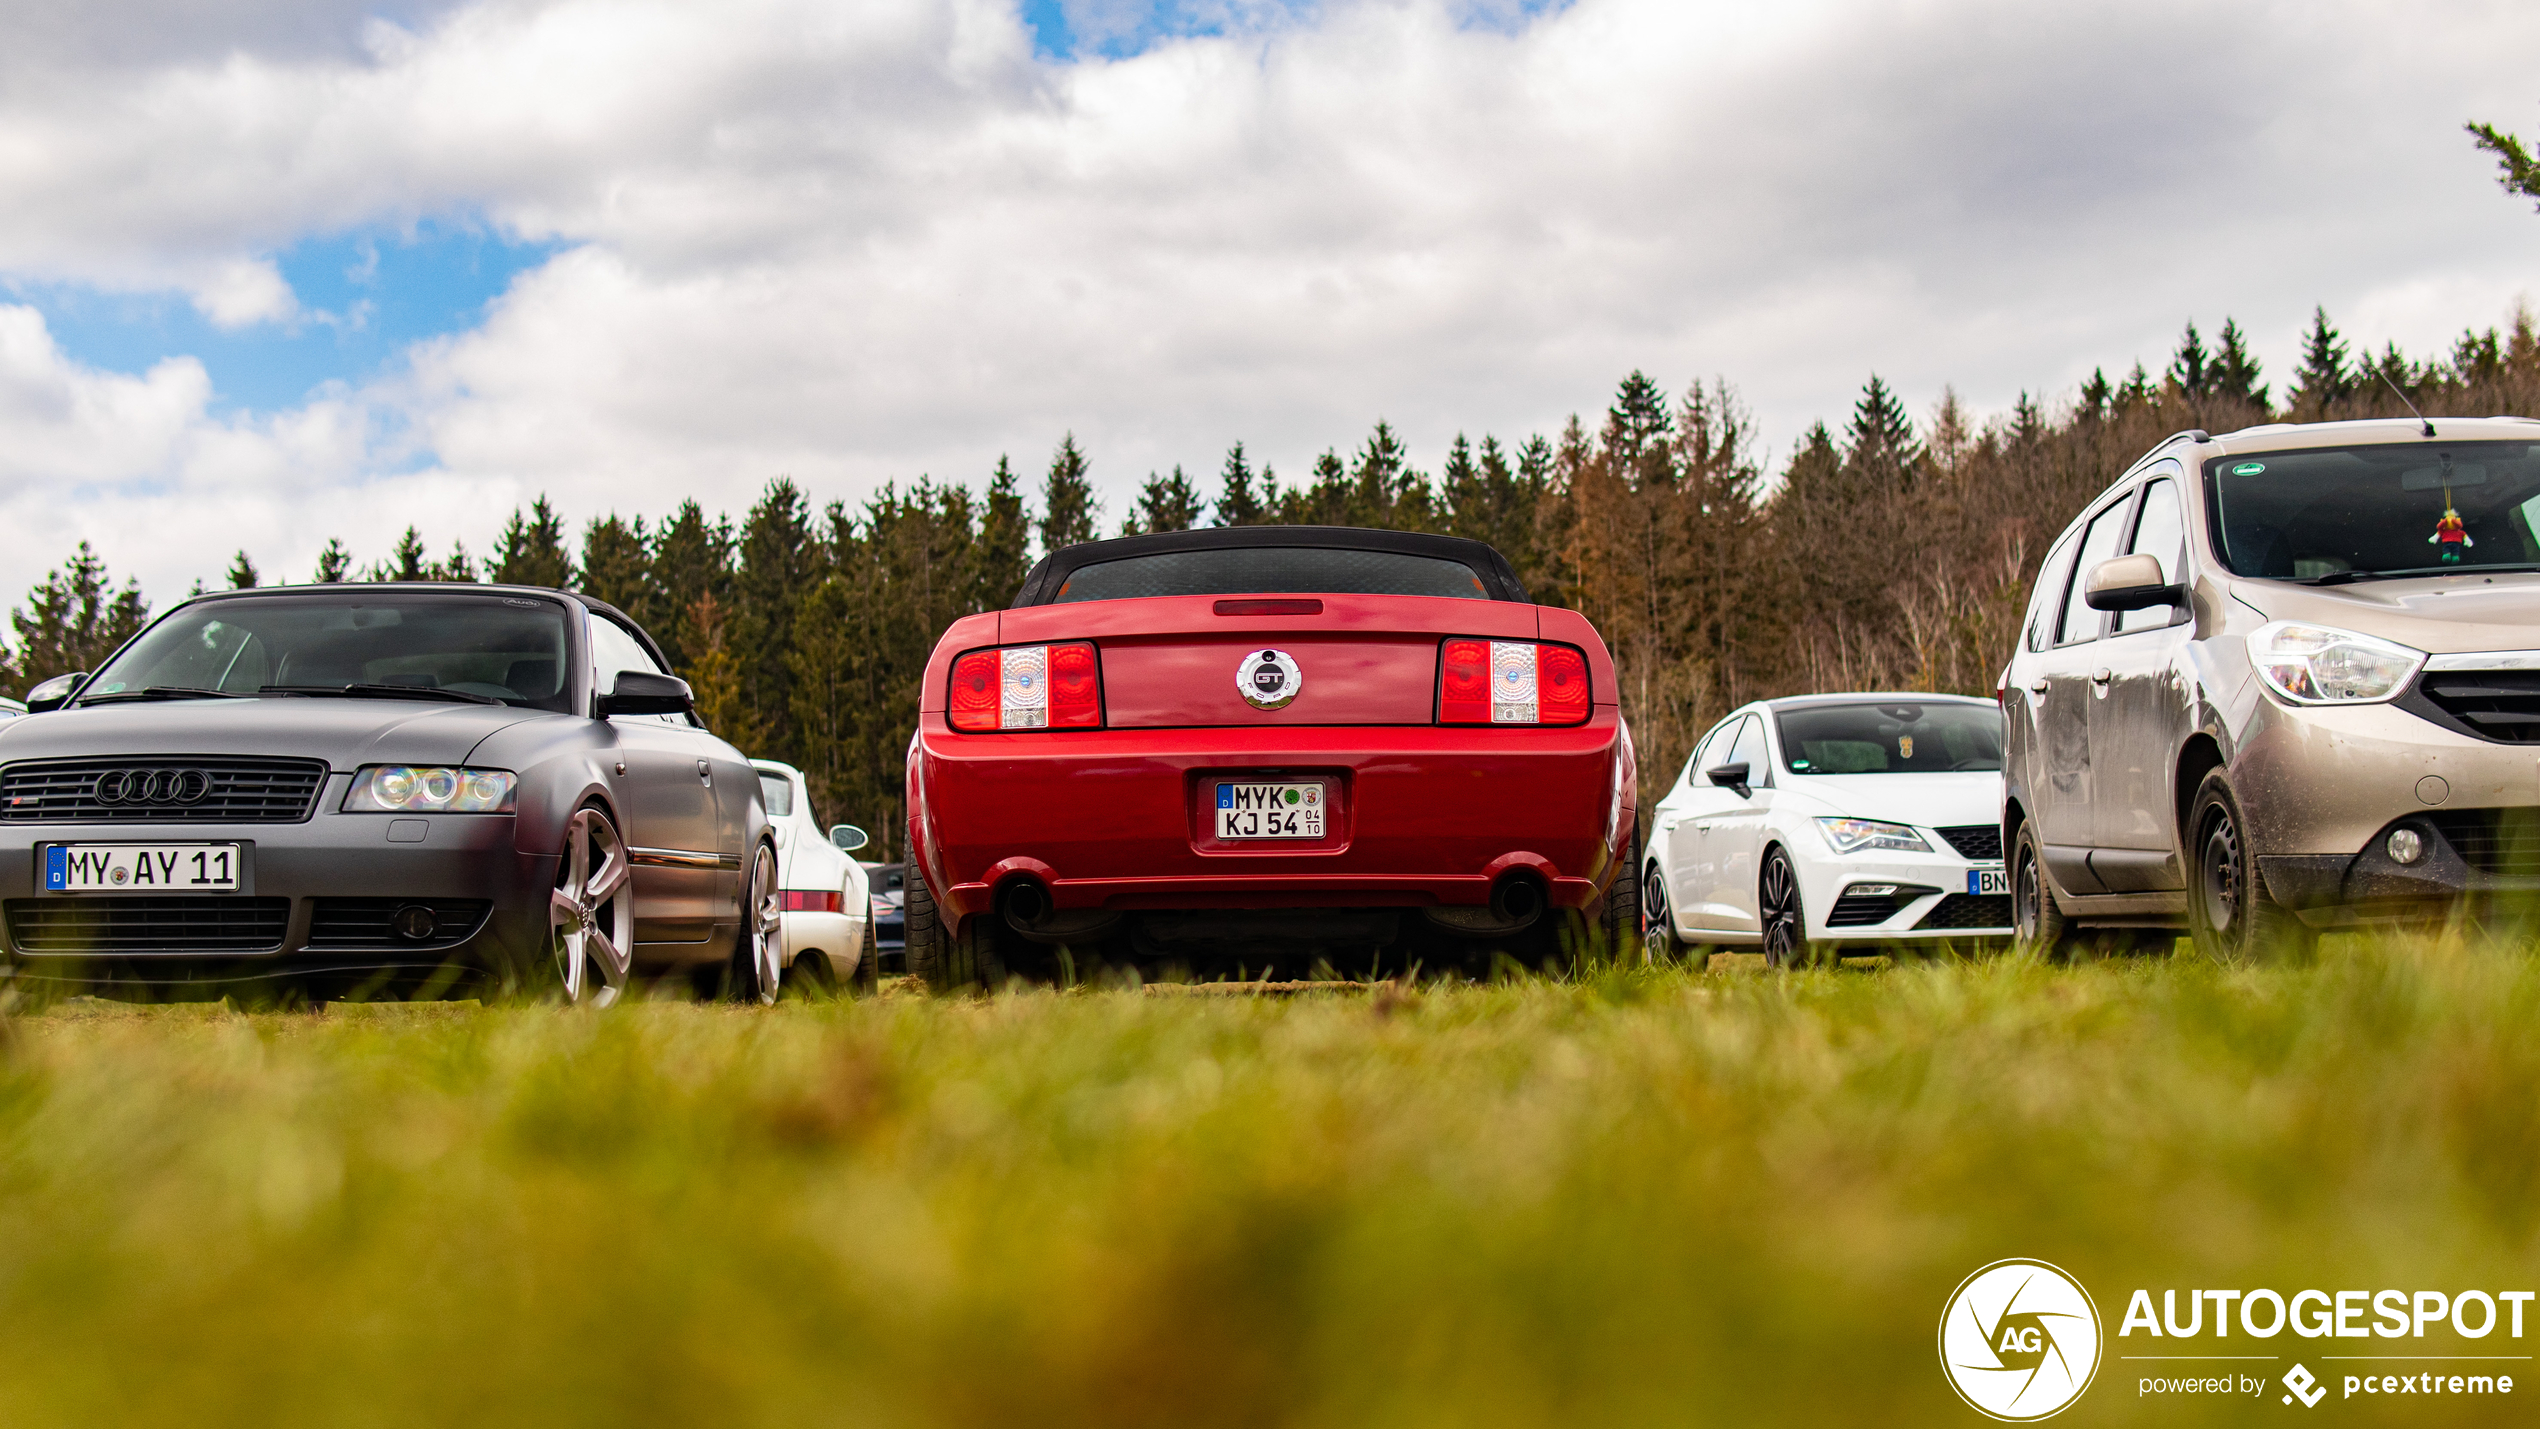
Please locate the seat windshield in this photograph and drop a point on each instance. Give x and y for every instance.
(2356, 513)
(1274, 570)
(505, 648)
(1891, 738)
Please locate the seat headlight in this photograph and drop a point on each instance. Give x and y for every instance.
(2322, 665)
(1854, 835)
(430, 789)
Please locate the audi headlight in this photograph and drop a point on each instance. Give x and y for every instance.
(430, 789)
(2322, 665)
(1854, 835)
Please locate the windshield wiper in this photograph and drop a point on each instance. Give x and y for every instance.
(385, 692)
(160, 692)
(2404, 572)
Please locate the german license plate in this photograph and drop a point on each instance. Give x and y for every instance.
(1270, 811)
(141, 868)
(1981, 881)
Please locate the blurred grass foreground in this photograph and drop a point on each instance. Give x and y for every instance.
(1647, 1198)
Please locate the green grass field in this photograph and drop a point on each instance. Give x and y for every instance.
(1648, 1197)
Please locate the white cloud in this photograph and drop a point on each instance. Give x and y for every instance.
(856, 243)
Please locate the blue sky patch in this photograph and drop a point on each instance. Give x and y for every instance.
(364, 298)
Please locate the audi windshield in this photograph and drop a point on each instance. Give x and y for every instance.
(2333, 515)
(398, 645)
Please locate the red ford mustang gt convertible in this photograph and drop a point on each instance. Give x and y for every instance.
(1268, 747)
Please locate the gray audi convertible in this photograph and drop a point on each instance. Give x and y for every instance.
(385, 783)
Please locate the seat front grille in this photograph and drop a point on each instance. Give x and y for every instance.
(369, 924)
(160, 789)
(81, 925)
(1976, 843)
(1861, 910)
(1968, 910)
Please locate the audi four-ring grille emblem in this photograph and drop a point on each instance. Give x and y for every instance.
(153, 786)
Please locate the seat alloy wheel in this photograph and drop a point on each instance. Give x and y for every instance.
(591, 914)
(1785, 924)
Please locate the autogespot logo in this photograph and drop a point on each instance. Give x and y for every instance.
(2019, 1340)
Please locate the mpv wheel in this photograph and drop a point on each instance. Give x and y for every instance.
(2229, 911)
(2038, 926)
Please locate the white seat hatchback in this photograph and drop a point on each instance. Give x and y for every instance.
(1808, 827)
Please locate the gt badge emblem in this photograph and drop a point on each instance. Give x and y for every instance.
(1268, 679)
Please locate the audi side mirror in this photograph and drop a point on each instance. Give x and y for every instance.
(53, 693)
(847, 837)
(641, 692)
(2130, 583)
(1731, 777)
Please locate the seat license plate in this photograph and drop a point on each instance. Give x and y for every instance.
(142, 868)
(1981, 881)
(1270, 811)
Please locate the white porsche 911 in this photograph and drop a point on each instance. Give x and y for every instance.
(1803, 827)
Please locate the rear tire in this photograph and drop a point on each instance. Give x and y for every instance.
(867, 978)
(757, 970)
(944, 962)
(1658, 924)
(2038, 927)
(1623, 927)
(2230, 914)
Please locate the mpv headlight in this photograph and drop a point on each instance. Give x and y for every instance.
(1854, 835)
(430, 789)
(2322, 665)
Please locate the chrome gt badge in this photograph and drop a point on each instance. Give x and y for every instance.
(1268, 679)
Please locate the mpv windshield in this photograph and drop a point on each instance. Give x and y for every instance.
(1890, 738)
(505, 648)
(1274, 570)
(2338, 514)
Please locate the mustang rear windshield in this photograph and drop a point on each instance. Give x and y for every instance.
(1274, 570)
(1900, 738)
(2339, 514)
(503, 647)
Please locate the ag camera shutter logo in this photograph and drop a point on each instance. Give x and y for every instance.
(2019, 1340)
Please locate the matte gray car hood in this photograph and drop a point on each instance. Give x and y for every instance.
(346, 733)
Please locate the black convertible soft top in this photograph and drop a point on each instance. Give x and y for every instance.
(1498, 578)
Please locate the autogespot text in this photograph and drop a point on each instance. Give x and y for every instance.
(2201, 1324)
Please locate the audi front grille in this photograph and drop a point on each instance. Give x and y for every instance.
(206, 924)
(160, 789)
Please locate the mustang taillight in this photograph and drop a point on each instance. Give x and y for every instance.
(828, 900)
(1027, 687)
(1511, 682)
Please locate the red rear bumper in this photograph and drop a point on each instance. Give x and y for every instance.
(1116, 819)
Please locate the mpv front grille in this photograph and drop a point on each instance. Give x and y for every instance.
(1968, 910)
(1976, 843)
(369, 924)
(2500, 706)
(76, 925)
(2504, 843)
(160, 789)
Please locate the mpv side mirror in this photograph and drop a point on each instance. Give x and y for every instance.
(641, 692)
(2130, 583)
(1730, 776)
(847, 837)
(52, 693)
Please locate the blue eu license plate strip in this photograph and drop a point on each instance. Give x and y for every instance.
(1982, 881)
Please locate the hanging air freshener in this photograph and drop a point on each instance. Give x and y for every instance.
(2450, 534)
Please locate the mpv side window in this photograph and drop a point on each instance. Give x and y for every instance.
(2160, 532)
(1749, 751)
(2048, 598)
(2098, 543)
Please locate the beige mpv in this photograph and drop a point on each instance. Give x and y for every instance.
(2282, 680)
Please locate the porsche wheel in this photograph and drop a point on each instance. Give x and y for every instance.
(758, 953)
(591, 914)
(867, 978)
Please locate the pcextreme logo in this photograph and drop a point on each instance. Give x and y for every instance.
(2019, 1340)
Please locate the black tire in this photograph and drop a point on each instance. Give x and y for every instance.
(1783, 917)
(1622, 907)
(2230, 914)
(867, 978)
(2038, 926)
(1658, 924)
(756, 970)
(946, 963)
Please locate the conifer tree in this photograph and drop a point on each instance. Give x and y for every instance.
(2519, 170)
(2477, 357)
(2234, 375)
(73, 619)
(692, 557)
(1377, 477)
(242, 573)
(2191, 371)
(531, 550)
(1068, 508)
(1004, 551)
(2323, 378)
(334, 563)
(1637, 434)
(779, 563)
(405, 561)
(457, 566)
(1880, 444)
(1167, 503)
(1237, 503)
(2095, 396)
(617, 563)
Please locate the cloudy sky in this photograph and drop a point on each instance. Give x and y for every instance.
(278, 270)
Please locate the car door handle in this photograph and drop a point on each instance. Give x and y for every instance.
(1667, 824)
(2102, 675)
(2037, 687)
(705, 773)
(1702, 828)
